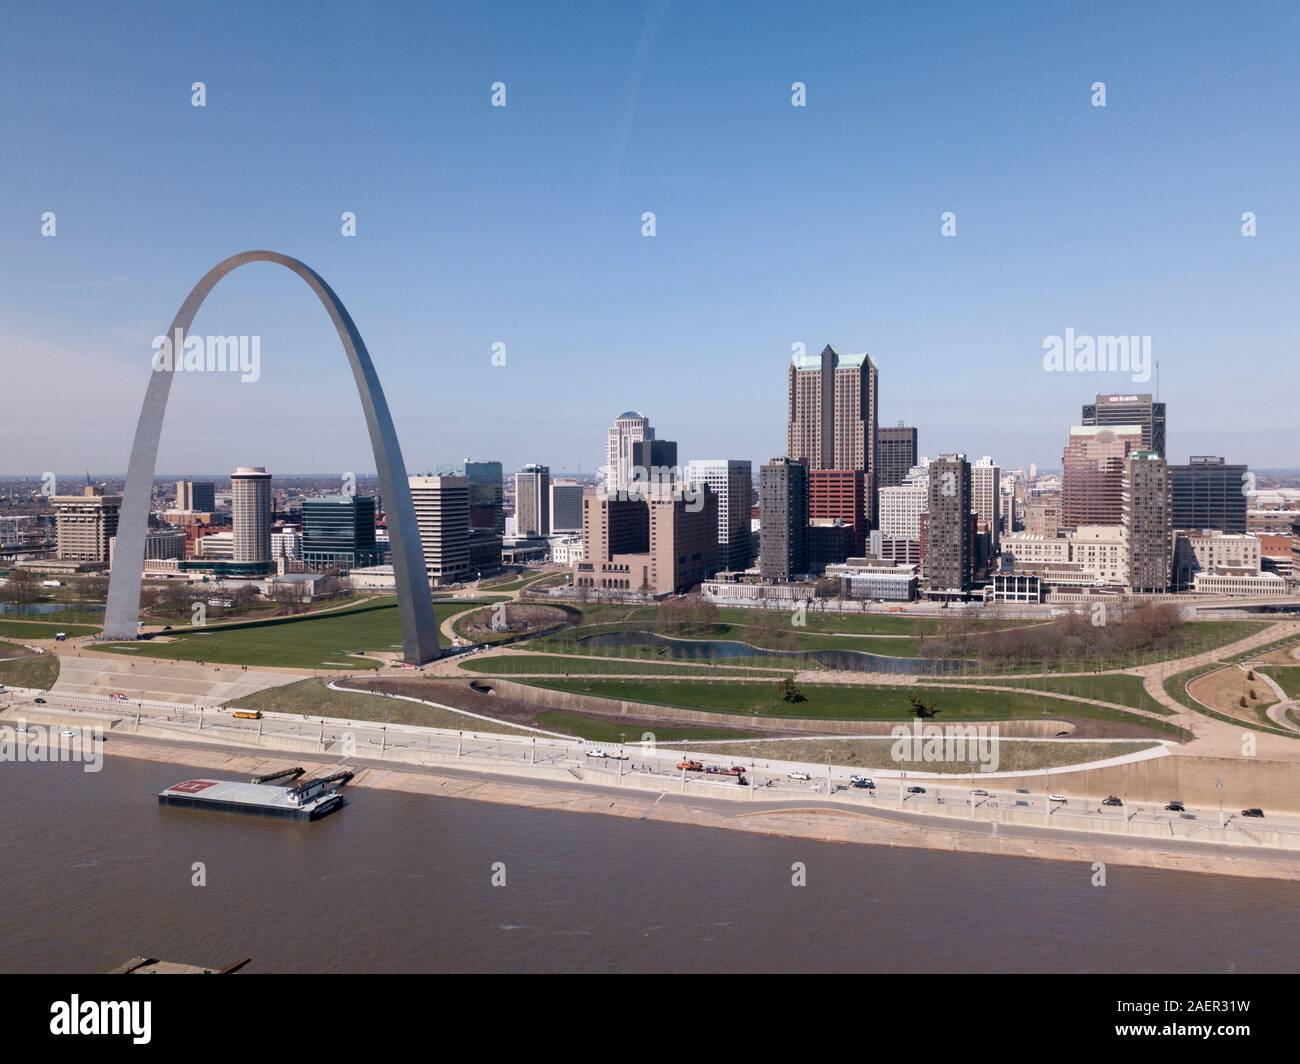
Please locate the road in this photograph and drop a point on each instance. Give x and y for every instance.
(653, 768)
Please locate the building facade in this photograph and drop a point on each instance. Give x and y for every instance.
(630, 427)
(1110, 411)
(783, 532)
(442, 516)
(533, 501)
(1146, 522)
(731, 480)
(338, 532)
(84, 524)
(896, 455)
(1209, 493)
(1092, 491)
(949, 554)
(250, 519)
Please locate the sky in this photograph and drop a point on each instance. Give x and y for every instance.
(522, 225)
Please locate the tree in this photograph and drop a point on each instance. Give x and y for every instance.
(827, 587)
(788, 691)
(21, 588)
(922, 708)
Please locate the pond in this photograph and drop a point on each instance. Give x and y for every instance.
(723, 649)
(41, 609)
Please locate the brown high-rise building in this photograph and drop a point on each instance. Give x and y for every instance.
(831, 416)
(661, 544)
(85, 524)
(1092, 484)
(1147, 524)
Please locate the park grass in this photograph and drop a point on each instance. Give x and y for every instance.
(314, 698)
(1123, 689)
(1176, 687)
(324, 640)
(1287, 677)
(44, 629)
(21, 669)
(522, 664)
(848, 701)
(602, 730)
(878, 754)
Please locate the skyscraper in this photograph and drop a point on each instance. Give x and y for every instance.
(1110, 411)
(949, 559)
(199, 496)
(629, 427)
(533, 501)
(566, 507)
(654, 460)
(442, 516)
(338, 532)
(250, 516)
(986, 497)
(1209, 493)
(783, 534)
(831, 414)
(1092, 481)
(897, 454)
(838, 495)
(1146, 521)
(486, 507)
(732, 481)
(85, 523)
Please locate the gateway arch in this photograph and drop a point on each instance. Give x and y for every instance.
(414, 602)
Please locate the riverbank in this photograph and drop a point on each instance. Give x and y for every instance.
(794, 819)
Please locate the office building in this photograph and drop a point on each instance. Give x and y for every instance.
(783, 535)
(250, 519)
(1207, 492)
(566, 507)
(732, 482)
(1111, 411)
(1146, 522)
(838, 495)
(338, 532)
(442, 516)
(831, 416)
(486, 492)
(1210, 551)
(1093, 478)
(901, 509)
(986, 498)
(84, 524)
(630, 427)
(896, 455)
(949, 551)
(1043, 514)
(661, 544)
(196, 495)
(654, 461)
(533, 501)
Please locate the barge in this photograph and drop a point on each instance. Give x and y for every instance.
(308, 800)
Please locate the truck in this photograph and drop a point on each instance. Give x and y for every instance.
(691, 766)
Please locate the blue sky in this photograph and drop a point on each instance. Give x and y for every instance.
(775, 225)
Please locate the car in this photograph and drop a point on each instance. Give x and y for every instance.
(597, 753)
(68, 733)
(1255, 812)
(617, 757)
(915, 790)
(798, 776)
(1056, 798)
(1175, 807)
(39, 701)
(862, 781)
(1112, 799)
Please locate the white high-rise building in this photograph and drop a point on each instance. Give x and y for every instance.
(732, 481)
(442, 514)
(629, 427)
(901, 509)
(250, 515)
(986, 497)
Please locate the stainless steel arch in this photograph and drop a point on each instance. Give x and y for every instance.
(414, 603)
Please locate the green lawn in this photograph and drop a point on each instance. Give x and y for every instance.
(1120, 688)
(313, 697)
(615, 731)
(44, 629)
(322, 641)
(515, 664)
(1287, 677)
(36, 670)
(844, 702)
